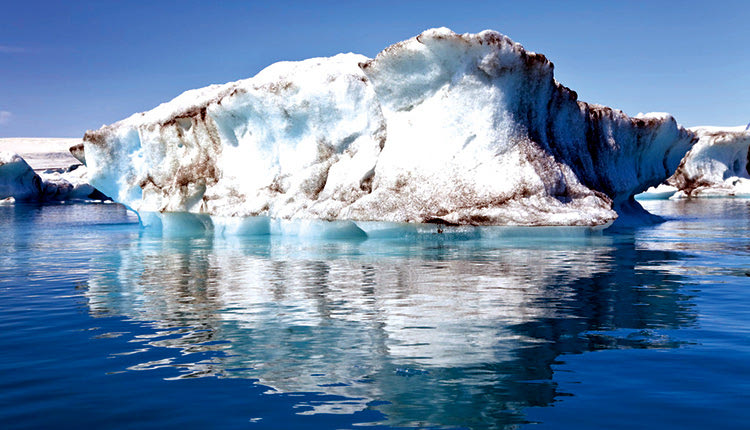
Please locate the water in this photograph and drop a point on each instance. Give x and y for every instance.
(104, 325)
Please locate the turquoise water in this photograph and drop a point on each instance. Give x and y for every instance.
(103, 324)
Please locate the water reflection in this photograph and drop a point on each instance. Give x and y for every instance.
(429, 332)
(56, 240)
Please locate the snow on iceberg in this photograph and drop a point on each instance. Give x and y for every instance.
(441, 128)
(717, 166)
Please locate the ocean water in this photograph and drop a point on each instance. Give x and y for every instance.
(105, 325)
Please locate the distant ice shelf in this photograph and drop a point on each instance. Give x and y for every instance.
(42, 153)
(443, 129)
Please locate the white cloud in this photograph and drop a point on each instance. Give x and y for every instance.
(5, 49)
(5, 117)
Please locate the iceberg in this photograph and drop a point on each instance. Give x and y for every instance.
(717, 166)
(19, 181)
(77, 151)
(659, 192)
(69, 183)
(43, 169)
(443, 129)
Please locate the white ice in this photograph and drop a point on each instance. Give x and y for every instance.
(659, 192)
(43, 169)
(42, 153)
(717, 166)
(17, 178)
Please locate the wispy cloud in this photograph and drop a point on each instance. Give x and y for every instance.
(6, 49)
(5, 117)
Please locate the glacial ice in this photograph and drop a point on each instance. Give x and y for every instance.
(17, 178)
(42, 169)
(659, 192)
(717, 166)
(67, 184)
(444, 129)
(19, 181)
(42, 153)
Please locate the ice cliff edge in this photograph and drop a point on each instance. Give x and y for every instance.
(456, 129)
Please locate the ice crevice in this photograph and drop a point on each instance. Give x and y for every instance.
(470, 130)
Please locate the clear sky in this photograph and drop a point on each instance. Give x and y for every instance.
(69, 66)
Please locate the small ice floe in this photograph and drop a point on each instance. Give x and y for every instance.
(659, 192)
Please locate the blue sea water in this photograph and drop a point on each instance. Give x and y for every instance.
(105, 325)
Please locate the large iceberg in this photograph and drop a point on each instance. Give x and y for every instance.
(442, 128)
(717, 166)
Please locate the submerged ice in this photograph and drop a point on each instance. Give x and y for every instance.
(442, 128)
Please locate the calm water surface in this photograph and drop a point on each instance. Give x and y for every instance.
(105, 325)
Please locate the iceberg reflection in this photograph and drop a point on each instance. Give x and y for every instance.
(430, 332)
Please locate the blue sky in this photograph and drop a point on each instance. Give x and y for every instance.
(66, 67)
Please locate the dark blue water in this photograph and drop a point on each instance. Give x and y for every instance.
(104, 325)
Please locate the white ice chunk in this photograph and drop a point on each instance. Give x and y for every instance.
(66, 184)
(660, 192)
(17, 178)
(717, 166)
